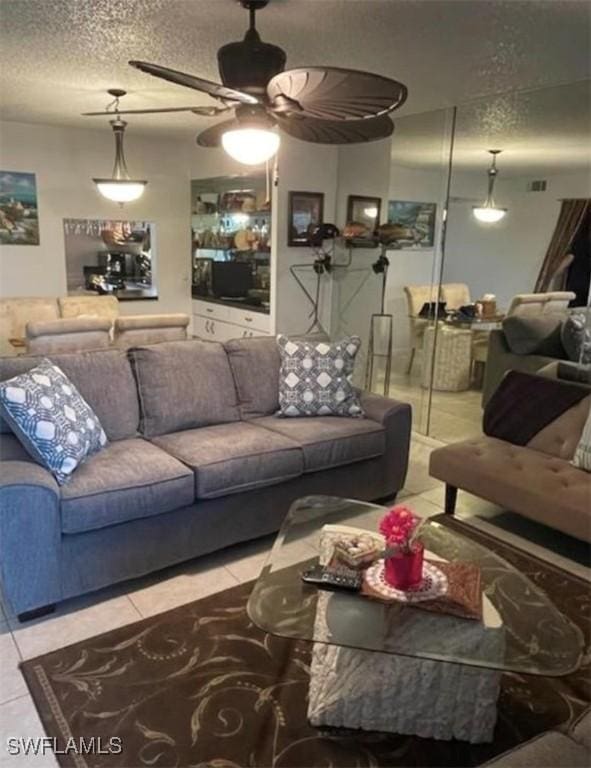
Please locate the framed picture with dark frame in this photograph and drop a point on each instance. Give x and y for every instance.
(365, 211)
(305, 212)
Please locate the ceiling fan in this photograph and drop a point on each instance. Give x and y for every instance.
(325, 105)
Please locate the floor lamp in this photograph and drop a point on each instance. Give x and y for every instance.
(380, 326)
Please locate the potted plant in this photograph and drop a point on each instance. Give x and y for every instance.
(403, 555)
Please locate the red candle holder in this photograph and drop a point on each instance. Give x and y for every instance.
(405, 569)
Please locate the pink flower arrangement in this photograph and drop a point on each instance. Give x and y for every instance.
(399, 527)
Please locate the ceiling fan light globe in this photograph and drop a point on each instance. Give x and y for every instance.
(120, 191)
(251, 146)
(489, 215)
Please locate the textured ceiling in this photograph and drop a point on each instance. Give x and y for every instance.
(540, 131)
(57, 57)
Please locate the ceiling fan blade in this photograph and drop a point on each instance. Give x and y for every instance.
(197, 83)
(207, 111)
(212, 137)
(329, 93)
(337, 131)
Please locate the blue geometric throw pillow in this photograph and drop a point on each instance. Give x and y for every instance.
(51, 419)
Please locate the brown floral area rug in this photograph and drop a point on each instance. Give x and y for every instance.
(202, 686)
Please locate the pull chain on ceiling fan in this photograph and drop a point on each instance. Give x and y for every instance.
(324, 105)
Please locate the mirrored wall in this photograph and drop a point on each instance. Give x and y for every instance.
(454, 272)
(541, 192)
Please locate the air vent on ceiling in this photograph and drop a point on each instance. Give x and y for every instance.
(537, 186)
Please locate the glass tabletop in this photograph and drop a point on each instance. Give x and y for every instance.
(521, 629)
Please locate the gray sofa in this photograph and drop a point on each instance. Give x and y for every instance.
(196, 461)
(571, 749)
(501, 359)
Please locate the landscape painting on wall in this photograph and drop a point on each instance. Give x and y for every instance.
(19, 220)
(412, 224)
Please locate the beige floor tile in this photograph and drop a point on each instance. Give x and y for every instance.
(422, 506)
(180, 585)
(418, 479)
(19, 719)
(12, 684)
(467, 505)
(245, 561)
(74, 620)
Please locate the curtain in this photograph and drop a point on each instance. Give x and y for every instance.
(570, 217)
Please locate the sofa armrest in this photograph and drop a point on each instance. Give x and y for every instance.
(382, 409)
(396, 418)
(30, 535)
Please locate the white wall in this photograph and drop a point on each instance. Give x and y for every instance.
(364, 169)
(413, 266)
(65, 160)
(505, 258)
(302, 167)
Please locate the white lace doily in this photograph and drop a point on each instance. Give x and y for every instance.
(433, 584)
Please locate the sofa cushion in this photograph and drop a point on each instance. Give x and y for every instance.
(548, 750)
(576, 338)
(582, 457)
(183, 385)
(51, 419)
(229, 458)
(127, 480)
(315, 378)
(580, 730)
(330, 441)
(255, 365)
(534, 335)
(542, 487)
(104, 379)
(561, 436)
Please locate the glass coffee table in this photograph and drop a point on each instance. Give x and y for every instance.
(397, 668)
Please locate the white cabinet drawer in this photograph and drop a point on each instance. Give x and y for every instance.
(218, 330)
(209, 309)
(252, 320)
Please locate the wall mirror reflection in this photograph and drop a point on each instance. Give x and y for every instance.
(113, 257)
(231, 241)
(454, 300)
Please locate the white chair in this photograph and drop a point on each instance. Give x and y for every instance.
(150, 329)
(455, 295)
(540, 303)
(67, 335)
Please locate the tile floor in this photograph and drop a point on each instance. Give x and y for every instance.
(87, 616)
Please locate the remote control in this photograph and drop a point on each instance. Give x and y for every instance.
(332, 578)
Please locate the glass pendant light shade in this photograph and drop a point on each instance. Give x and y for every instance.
(251, 146)
(488, 212)
(489, 215)
(120, 188)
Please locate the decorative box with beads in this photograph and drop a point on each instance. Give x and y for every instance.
(356, 552)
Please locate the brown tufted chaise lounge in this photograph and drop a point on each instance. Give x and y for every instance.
(532, 426)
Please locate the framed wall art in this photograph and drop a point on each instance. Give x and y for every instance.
(364, 212)
(19, 216)
(411, 224)
(305, 213)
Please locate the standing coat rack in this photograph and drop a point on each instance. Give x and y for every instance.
(381, 325)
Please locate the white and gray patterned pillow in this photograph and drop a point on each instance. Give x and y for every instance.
(315, 377)
(51, 419)
(582, 457)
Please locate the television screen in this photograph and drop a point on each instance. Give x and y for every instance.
(231, 279)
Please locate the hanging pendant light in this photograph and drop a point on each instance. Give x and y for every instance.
(488, 212)
(120, 188)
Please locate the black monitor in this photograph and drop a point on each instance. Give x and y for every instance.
(231, 279)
